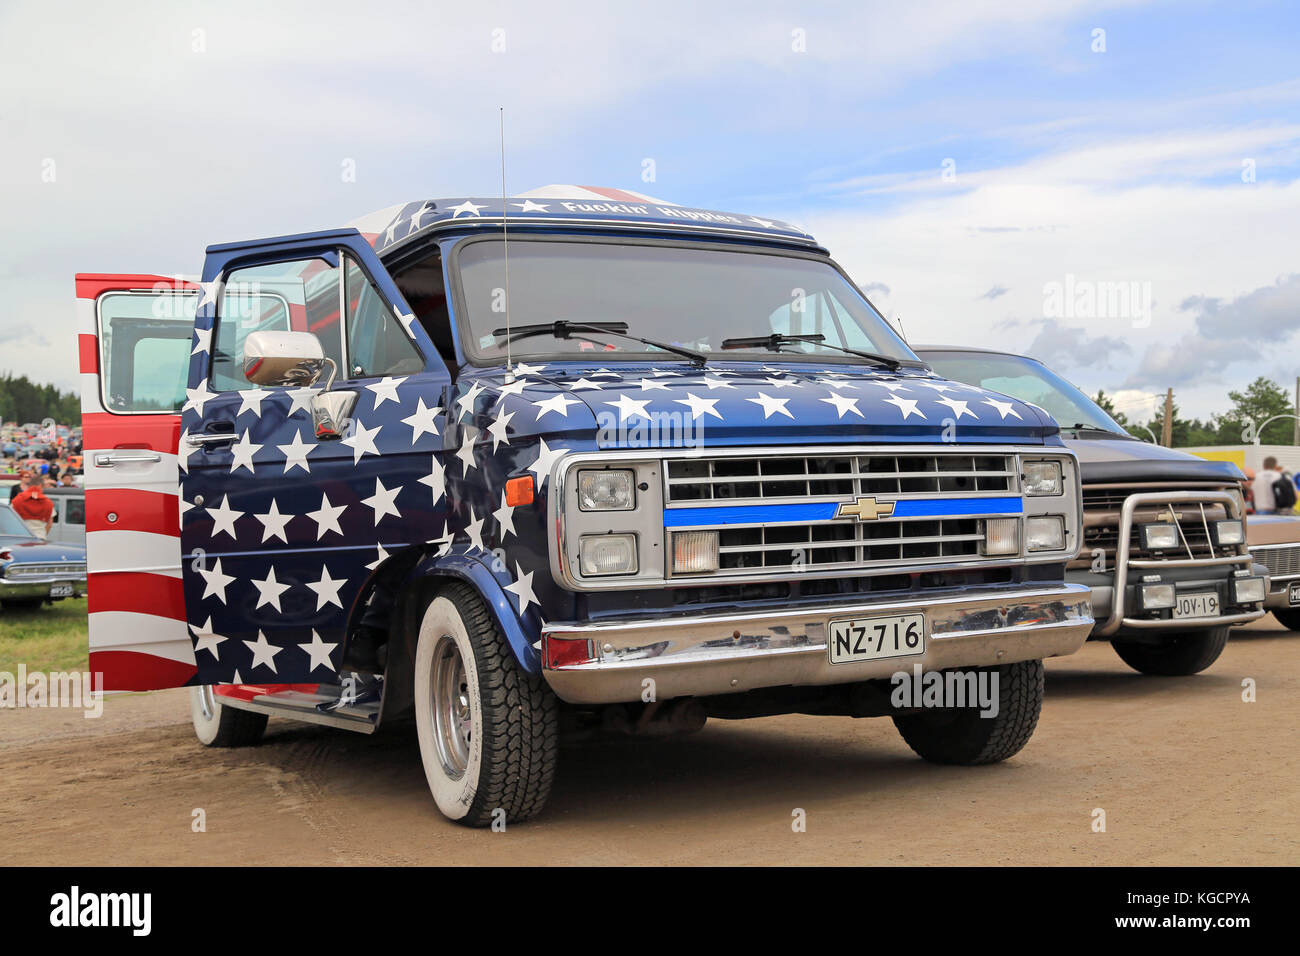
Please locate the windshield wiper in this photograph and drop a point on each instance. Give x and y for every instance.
(774, 342)
(1086, 427)
(564, 330)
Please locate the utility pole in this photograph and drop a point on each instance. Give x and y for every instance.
(1167, 431)
(1295, 424)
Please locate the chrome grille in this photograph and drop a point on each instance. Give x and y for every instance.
(846, 544)
(805, 476)
(70, 568)
(838, 545)
(1280, 561)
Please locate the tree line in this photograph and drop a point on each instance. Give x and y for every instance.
(22, 401)
(1239, 425)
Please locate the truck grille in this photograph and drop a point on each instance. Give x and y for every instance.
(841, 544)
(805, 476)
(1101, 514)
(1281, 561)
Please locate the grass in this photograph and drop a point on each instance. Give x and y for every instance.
(50, 638)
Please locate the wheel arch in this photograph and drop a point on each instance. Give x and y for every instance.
(419, 587)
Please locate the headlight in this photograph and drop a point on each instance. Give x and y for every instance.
(1002, 536)
(695, 552)
(1159, 536)
(1042, 478)
(600, 554)
(607, 490)
(1228, 532)
(1157, 597)
(1045, 533)
(1247, 590)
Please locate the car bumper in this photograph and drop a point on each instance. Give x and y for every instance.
(700, 655)
(24, 589)
(1279, 595)
(1186, 581)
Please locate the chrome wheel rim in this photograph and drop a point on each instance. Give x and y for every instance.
(452, 716)
(207, 702)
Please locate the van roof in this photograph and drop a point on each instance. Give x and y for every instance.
(564, 205)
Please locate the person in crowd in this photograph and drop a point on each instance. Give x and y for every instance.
(18, 485)
(1266, 502)
(33, 506)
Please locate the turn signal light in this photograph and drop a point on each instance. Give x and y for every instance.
(519, 491)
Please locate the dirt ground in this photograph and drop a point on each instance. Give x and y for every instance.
(1186, 772)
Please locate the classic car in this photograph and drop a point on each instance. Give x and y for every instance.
(33, 571)
(1275, 543)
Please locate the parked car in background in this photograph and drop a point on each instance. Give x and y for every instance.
(1164, 540)
(1275, 543)
(69, 525)
(32, 571)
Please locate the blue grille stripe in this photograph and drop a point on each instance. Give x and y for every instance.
(825, 510)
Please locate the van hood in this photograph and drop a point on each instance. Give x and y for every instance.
(675, 405)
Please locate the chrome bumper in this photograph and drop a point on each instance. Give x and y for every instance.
(729, 653)
(25, 588)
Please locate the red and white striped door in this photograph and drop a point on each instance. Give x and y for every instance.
(135, 335)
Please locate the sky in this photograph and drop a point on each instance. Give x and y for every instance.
(1111, 187)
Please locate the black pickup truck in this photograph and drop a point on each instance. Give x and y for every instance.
(1164, 543)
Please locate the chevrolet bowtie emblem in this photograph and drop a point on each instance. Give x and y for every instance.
(866, 509)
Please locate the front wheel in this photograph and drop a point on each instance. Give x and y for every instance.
(1175, 655)
(217, 725)
(1288, 618)
(487, 728)
(964, 735)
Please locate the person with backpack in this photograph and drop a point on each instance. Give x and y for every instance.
(1274, 492)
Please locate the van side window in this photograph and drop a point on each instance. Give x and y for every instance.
(301, 296)
(377, 343)
(423, 287)
(144, 343)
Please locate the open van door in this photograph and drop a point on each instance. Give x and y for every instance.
(135, 338)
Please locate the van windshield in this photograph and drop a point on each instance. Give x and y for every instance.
(688, 297)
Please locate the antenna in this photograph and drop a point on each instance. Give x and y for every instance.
(505, 244)
(901, 331)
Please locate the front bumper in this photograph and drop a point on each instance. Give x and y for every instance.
(700, 655)
(1114, 606)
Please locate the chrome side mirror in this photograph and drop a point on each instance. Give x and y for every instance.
(284, 358)
(298, 358)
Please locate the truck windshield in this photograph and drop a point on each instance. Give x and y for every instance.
(689, 297)
(1027, 380)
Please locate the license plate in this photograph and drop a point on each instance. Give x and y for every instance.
(1293, 594)
(60, 590)
(1204, 604)
(874, 638)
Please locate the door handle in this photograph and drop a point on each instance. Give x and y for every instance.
(209, 438)
(117, 458)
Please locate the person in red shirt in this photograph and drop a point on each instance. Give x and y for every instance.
(34, 507)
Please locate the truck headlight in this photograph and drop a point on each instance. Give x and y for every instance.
(1045, 533)
(609, 489)
(1042, 478)
(1002, 536)
(600, 554)
(1247, 590)
(1159, 536)
(1228, 532)
(1157, 597)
